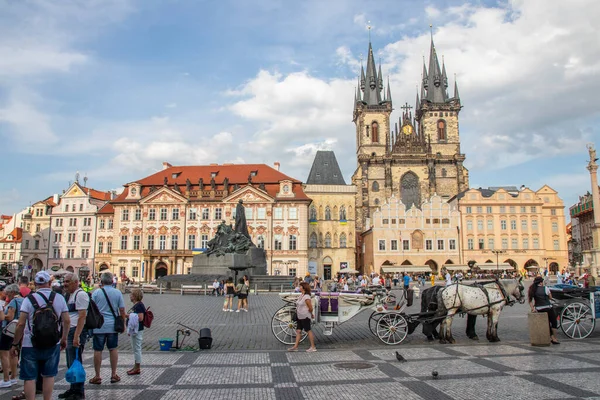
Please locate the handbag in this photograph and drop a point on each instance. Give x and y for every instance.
(10, 328)
(119, 320)
(76, 373)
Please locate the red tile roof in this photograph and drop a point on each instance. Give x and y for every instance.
(106, 209)
(97, 194)
(17, 235)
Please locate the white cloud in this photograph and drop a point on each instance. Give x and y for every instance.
(28, 125)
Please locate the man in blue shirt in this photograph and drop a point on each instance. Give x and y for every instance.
(406, 279)
(106, 336)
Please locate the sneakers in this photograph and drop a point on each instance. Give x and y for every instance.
(311, 350)
(238, 310)
(14, 381)
(230, 310)
(245, 309)
(5, 384)
(225, 309)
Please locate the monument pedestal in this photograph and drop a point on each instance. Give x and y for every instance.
(254, 262)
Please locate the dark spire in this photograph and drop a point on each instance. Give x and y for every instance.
(380, 77)
(325, 170)
(436, 92)
(424, 75)
(456, 96)
(444, 77)
(362, 77)
(418, 103)
(389, 92)
(372, 88)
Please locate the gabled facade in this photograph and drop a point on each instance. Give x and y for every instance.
(10, 249)
(157, 224)
(36, 234)
(72, 233)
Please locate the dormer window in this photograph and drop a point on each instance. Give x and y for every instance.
(213, 174)
(253, 173)
(175, 174)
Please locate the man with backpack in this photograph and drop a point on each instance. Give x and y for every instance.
(78, 302)
(41, 332)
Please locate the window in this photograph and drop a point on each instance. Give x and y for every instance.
(387, 221)
(504, 243)
(277, 239)
(73, 207)
(525, 243)
(343, 241)
(479, 209)
(488, 209)
(553, 211)
(375, 132)
(135, 271)
(480, 244)
(327, 213)
(100, 247)
(87, 221)
(469, 210)
(328, 240)
(124, 242)
(38, 228)
(502, 209)
(533, 209)
(514, 243)
(162, 242)
(503, 224)
(248, 212)
(138, 214)
(491, 243)
(381, 245)
(480, 224)
(109, 247)
(260, 240)
(394, 244)
(312, 213)
(343, 214)
(428, 244)
(204, 241)
(85, 253)
(27, 244)
(191, 241)
(70, 252)
(451, 244)
(440, 244)
(122, 271)
(163, 214)
(469, 225)
(81, 207)
(292, 213)
(534, 224)
(523, 209)
(86, 237)
(152, 214)
(278, 213)
(536, 243)
(150, 242)
(292, 242)
(174, 242)
(556, 245)
(192, 215)
(136, 242)
(523, 224)
(490, 224)
(125, 215)
(470, 244)
(56, 254)
(375, 187)
(110, 224)
(441, 129)
(59, 222)
(513, 224)
(219, 213)
(175, 214)
(58, 237)
(512, 209)
(554, 226)
(312, 243)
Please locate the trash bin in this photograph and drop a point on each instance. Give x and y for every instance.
(539, 329)
(205, 339)
(165, 344)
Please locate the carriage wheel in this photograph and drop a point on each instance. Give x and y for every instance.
(283, 325)
(392, 328)
(577, 321)
(373, 320)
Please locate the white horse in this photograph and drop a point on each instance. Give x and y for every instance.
(485, 298)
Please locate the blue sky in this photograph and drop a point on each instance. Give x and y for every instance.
(112, 88)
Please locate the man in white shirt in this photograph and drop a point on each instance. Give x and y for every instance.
(376, 281)
(216, 287)
(448, 278)
(43, 360)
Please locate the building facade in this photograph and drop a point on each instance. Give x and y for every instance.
(154, 227)
(331, 229)
(415, 240)
(420, 157)
(72, 233)
(508, 226)
(36, 234)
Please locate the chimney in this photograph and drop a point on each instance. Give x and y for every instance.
(276, 164)
(55, 198)
(166, 165)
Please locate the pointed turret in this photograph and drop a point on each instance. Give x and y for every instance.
(444, 77)
(372, 87)
(456, 96)
(418, 103)
(389, 92)
(357, 95)
(380, 77)
(436, 93)
(362, 78)
(424, 75)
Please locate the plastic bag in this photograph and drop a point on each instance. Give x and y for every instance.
(76, 373)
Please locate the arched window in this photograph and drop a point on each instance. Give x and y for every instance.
(342, 213)
(312, 243)
(375, 132)
(375, 187)
(327, 213)
(292, 243)
(320, 239)
(343, 240)
(260, 240)
(328, 240)
(444, 173)
(313, 213)
(441, 128)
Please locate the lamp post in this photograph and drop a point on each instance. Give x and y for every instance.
(497, 253)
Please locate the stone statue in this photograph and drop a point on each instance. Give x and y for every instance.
(236, 187)
(226, 184)
(592, 152)
(152, 188)
(188, 185)
(250, 179)
(166, 181)
(212, 184)
(262, 187)
(240, 219)
(176, 188)
(227, 240)
(201, 184)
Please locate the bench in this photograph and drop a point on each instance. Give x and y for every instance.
(192, 288)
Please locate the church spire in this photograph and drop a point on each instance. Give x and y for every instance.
(456, 96)
(372, 86)
(389, 92)
(436, 92)
(417, 103)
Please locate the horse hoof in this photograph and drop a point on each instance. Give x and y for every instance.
(452, 341)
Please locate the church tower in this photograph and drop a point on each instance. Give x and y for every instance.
(420, 157)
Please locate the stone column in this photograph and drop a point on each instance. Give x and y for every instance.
(593, 168)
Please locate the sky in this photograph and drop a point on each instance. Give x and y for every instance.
(112, 88)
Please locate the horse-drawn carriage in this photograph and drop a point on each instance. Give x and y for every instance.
(576, 309)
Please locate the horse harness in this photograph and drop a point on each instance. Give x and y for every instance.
(481, 285)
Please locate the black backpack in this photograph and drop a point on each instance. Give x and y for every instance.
(94, 318)
(45, 331)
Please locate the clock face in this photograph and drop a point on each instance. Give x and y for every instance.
(407, 129)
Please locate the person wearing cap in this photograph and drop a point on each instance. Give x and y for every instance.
(539, 301)
(34, 360)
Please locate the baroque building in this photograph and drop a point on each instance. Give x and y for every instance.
(420, 157)
(154, 227)
(331, 229)
(413, 240)
(36, 234)
(520, 228)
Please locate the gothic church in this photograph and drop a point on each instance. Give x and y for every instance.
(420, 157)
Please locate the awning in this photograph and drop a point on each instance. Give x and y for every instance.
(456, 267)
(495, 266)
(406, 268)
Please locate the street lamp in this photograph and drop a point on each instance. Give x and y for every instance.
(497, 253)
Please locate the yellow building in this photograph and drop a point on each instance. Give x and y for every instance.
(331, 230)
(157, 224)
(416, 240)
(512, 227)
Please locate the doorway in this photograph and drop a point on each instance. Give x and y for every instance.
(160, 270)
(327, 272)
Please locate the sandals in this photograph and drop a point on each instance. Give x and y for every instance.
(115, 379)
(96, 380)
(134, 371)
(20, 396)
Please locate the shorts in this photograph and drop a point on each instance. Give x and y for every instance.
(44, 361)
(242, 296)
(229, 296)
(5, 342)
(304, 324)
(111, 340)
